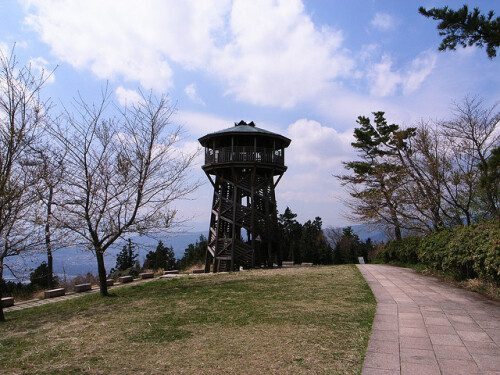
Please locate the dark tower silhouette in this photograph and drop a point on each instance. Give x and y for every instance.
(244, 164)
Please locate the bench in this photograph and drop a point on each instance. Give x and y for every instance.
(7, 301)
(54, 293)
(306, 264)
(171, 272)
(147, 275)
(110, 282)
(80, 288)
(286, 264)
(125, 279)
(198, 271)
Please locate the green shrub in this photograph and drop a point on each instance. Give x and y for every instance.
(465, 252)
(432, 248)
(404, 250)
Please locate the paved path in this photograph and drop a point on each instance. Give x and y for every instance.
(424, 326)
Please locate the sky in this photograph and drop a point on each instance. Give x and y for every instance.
(306, 70)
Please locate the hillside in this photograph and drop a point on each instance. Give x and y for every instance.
(290, 321)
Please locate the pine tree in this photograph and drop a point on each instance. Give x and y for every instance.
(290, 234)
(194, 253)
(163, 257)
(126, 261)
(316, 248)
(461, 27)
(347, 248)
(375, 178)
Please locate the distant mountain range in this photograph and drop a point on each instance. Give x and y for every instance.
(364, 233)
(73, 261)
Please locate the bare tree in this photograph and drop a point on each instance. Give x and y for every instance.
(123, 172)
(49, 168)
(475, 127)
(22, 114)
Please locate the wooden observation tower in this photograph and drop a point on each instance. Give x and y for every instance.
(244, 164)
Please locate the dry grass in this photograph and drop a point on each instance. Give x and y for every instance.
(290, 321)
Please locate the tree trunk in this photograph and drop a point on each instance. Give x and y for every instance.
(2, 316)
(48, 244)
(102, 273)
(397, 232)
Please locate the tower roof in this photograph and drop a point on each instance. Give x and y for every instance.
(243, 128)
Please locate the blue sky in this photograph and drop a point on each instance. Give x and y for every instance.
(304, 69)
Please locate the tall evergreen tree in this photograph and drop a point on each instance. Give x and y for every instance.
(163, 257)
(126, 260)
(290, 234)
(349, 248)
(194, 253)
(316, 248)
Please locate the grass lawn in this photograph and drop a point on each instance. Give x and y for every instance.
(289, 321)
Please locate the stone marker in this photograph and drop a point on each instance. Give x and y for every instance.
(7, 301)
(126, 279)
(147, 275)
(286, 264)
(79, 288)
(361, 260)
(110, 282)
(199, 271)
(306, 264)
(171, 272)
(54, 293)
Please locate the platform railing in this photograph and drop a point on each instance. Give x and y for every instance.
(244, 154)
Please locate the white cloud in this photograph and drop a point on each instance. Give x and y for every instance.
(317, 145)
(198, 123)
(192, 93)
(277, 56)
(127, 96)
(384, 81)
(40, 66)
(265, 52)
(383, 21)
(127, 39)
(313, 158)
(421, 67)
(4, 50)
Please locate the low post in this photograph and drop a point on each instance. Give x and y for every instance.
(7, 302)
(125, 279)
(59, 292)
(80, 288)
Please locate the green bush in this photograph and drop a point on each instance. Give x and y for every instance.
(465, 252)
(432, 249)
(404, 250)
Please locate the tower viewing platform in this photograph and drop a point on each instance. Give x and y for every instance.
(244, 144)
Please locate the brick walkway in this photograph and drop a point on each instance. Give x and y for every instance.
(424, 326)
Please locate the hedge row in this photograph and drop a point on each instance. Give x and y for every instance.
(464, 252)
